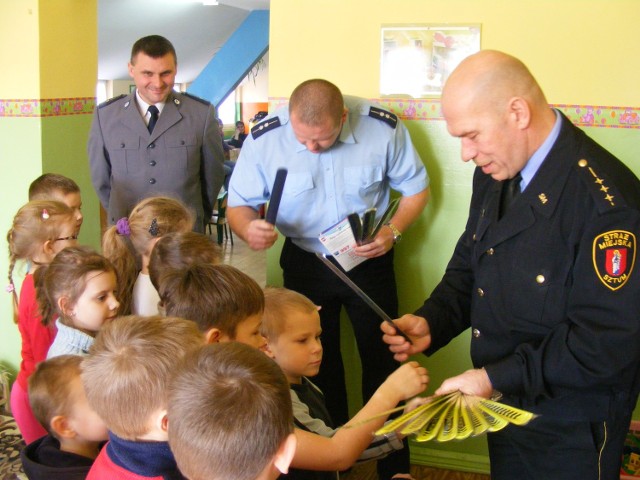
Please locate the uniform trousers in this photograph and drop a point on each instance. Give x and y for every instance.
(552, 448)
(306, 274)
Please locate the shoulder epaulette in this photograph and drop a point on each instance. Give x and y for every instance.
(264, 127)
(197, 99)
(603, 192)
(387, 117)
(111, 100)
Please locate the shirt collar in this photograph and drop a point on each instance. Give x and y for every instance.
(345, 135)
(149, 459)
(536, 160)
(144, 106)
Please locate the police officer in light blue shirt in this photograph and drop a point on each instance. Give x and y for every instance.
(343, 155)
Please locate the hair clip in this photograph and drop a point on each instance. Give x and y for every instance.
(153, 229)
(10, 288)
(122, 227)
(45, 214)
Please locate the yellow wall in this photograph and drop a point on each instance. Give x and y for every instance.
(68, 48)
(581, 51)
(21, 21)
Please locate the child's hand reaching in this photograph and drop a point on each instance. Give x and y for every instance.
(410, 406)
(414, 403)
(407, 381)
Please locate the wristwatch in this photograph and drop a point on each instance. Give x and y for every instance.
(397, 234)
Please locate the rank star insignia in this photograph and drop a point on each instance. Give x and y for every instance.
(614, 256)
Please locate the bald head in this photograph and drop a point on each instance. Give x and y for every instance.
(490, 79)
(315, 102)
(495, 106)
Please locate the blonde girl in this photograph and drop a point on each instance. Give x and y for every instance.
(79, 285)
(39, 230)
(128, 244)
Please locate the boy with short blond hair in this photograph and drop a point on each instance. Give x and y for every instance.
(76, 432)
(53, 186)
(126, 377)
(226, 303)
(291, 325)
(230, 415)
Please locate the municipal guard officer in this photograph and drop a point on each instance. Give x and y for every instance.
(545, 278)
(155, 141)
(343, 155)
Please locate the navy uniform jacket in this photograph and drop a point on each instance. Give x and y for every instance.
(551, 291)
(182, 158)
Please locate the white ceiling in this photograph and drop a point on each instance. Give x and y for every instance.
(197, 31)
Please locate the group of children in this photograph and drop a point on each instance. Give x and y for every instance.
(154, 360)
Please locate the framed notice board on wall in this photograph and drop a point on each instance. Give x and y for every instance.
(415, 60)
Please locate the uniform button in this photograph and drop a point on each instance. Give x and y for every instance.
(482, 213)
(476, 333)
(540, 279)
(490, 251)
(481, 292)
(182, 142)
(152, 163)
(122, 145)
(152, 181)
(152, 145)
(474, 237)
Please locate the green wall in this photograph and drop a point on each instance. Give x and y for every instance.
(65, 139)
(28, 148)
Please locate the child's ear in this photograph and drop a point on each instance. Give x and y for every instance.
(212, 335)
(285, 453)
(64, 305)
(267, 350)
(61, 426)
(48, 250)
(163, 421)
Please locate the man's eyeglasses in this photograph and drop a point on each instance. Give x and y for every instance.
(72, 237)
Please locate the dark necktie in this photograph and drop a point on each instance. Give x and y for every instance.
(153, 110)
(510, 191)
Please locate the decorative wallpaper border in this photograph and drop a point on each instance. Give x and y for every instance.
(428, 109)
(50, 107)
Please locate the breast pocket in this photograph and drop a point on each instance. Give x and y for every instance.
(183, 153)
(363, 183)
(124, 153)
(540, 285)
(299, 186)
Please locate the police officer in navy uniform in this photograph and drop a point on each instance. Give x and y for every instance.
(545, 278)
(155, 141)
(343, 155)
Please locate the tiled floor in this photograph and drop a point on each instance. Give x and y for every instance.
(243, 258)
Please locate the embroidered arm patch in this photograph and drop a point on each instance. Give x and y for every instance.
(614, 256)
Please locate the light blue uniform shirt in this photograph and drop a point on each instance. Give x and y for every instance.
(532, 166)
(369, 158)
